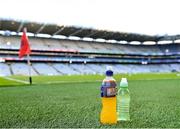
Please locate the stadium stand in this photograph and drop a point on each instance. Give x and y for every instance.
(54, 56)
(52, 44)
(4, 69)
(21, 69)
(65, 69)
(74, 69)
(44, 69)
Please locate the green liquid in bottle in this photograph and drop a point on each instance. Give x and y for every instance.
(123, 101)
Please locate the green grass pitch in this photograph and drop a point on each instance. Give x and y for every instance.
(74, 101)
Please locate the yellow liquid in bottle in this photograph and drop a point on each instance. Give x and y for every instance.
(108, 114)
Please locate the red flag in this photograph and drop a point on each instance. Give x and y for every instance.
(24, 48)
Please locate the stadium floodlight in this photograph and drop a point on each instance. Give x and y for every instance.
(59, 37)
(111, 41)
(20, 34)
(43, 35)
(30, 34)
(87, 39)
(100, 40)
(73, 38)
(165, 42)
(1, 32)
(123, 42)
(13, 33)
(149, 43)
(135, 42)
(177, 41)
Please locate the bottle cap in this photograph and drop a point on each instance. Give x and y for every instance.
(109, 71)
(124, 83)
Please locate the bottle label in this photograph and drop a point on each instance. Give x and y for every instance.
(111, 91)
(108, 89)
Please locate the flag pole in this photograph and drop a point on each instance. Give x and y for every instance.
(29, 68)
(29, 63)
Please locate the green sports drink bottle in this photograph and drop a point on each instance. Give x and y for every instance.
(123, 101)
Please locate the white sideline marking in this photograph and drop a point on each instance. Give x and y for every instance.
(16, 80)
(56, 82)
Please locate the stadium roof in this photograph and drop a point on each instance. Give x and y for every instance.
(54, 29)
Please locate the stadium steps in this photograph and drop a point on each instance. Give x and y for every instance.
(34, 69)
(60, 73)
(10, 68)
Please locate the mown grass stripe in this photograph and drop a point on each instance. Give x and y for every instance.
(16, 80)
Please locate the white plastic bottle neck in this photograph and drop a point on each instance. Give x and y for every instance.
(109, 78)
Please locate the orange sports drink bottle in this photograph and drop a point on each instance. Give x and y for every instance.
(108, 95)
